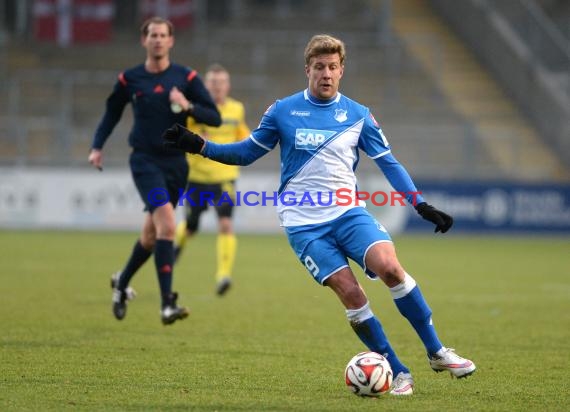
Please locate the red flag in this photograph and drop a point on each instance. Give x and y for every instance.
(179, 12)
(93, 21)
(73, 21)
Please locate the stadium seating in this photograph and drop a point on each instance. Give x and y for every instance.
(509, 138)
(418, 79)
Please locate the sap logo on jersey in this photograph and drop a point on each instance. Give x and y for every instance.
(310, 139)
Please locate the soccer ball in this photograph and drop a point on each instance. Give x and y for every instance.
(368, 374)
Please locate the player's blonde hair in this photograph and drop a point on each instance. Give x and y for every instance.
(216, 68)
(324, 44)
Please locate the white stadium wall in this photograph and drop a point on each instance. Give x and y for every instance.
(88, 199)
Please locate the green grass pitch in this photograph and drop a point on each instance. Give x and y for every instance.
(277, 341)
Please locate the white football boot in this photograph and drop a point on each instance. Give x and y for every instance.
(402, 385)
(447, 360)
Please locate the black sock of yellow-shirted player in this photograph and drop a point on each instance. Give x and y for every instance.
(226, 253)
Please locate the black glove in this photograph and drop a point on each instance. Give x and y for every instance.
(441, 220)
(179, 137)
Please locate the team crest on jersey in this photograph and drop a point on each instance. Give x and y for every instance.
(310, 139)
(380, 227)
(340, 115)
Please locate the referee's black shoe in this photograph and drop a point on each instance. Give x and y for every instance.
(120, 297)
(119, 303)
(170, 312)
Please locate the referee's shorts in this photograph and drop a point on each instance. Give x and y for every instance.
(159, 179)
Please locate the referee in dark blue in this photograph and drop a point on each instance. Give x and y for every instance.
(161, 93)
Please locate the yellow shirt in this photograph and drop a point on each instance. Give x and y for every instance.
(233, 129)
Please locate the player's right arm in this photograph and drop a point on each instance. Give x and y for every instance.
(240, 154)
(261, 141)
(115, 105)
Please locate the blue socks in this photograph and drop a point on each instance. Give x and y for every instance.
(164, 260)
(370, 332)
(138, 257)
(412, 306)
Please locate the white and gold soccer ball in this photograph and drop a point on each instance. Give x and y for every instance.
(368, 374)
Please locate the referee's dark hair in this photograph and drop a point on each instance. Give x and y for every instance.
(156, 20)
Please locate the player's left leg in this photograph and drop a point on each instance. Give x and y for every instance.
(381, 259)
(226, 245)
(367, 242)
(318, 251)
(164, 220)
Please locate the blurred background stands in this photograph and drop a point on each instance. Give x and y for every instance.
(447, 112)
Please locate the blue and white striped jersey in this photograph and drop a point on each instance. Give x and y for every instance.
(319, 144)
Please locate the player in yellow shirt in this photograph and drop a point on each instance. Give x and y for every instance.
(210, 180)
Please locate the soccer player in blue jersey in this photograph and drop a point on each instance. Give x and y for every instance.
(320, 133)
(160, 93)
